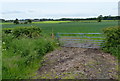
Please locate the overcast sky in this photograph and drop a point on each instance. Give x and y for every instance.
(57, 8)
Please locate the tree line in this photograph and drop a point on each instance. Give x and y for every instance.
(22, 22)
(26, 21)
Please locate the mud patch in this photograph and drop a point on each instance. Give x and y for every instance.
(78, 63)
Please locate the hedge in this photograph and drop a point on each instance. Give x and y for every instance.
(111, 43)
(23, 31)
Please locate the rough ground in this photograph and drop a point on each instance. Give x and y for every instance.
(78, 63)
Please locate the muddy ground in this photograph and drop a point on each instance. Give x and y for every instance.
(78, 63)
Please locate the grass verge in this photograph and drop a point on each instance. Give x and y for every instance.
(22, 56)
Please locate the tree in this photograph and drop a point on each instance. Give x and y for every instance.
(2, 20)
(100, 18)
(109, 17)
(16, 21)
(25, 22)
(30, 21)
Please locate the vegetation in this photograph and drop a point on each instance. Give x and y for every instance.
(91, 26)
(22, 22)
(100, 18)
(24, 45)
(0, 65)
(23, 51)
(30, 21)
(112, 41)
(109, 17)
(30, 32)
(16, 21)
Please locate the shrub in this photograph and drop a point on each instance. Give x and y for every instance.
(7, 30)
(25, 22)
(30, 32)
(112, 41)
(22, 57)
(16, 21)
(30, 21)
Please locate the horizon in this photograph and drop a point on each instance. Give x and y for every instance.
(59, 18)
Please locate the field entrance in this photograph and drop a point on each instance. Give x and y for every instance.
(82, 40)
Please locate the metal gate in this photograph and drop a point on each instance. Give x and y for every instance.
(83, 40)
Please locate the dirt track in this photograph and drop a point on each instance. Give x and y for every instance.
(78, 63)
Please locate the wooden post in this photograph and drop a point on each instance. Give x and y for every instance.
(52, 35)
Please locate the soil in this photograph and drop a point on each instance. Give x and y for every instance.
(78, 63)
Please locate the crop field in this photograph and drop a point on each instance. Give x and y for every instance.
(85, 26)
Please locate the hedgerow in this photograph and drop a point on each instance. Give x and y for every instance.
(111, 43)
(30, 32)
(23, 54)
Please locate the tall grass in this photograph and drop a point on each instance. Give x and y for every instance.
(0, 52)
(22, 56)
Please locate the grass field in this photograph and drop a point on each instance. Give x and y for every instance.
(67, 26)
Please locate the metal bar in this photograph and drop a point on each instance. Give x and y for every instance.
(79, 33)
(91, 43)
(80, 37)
(80, 41)
(80, 46)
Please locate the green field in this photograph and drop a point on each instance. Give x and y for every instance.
(67, 26)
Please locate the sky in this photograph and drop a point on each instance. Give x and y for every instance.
(21, 9)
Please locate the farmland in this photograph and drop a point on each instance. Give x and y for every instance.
(67, 26)
(25, 51)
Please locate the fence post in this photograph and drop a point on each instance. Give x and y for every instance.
(52, 35)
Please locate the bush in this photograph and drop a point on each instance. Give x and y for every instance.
(7, 30)
(30, 32)
(112, 41)
(22, 57)
(25, 22)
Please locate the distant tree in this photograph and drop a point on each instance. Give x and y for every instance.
(2, 20)
(100, 18)
(29, 21)
(114, 19)
(26, 22)
(16, 21)
(109, 17)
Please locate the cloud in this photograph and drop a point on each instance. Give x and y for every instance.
(12, 12)
(70, 14)
(55, 9)
(31, 11)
